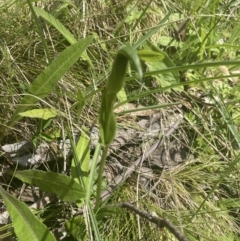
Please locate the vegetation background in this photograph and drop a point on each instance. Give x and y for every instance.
(192, 58)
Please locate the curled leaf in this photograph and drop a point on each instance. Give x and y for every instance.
(116, 79)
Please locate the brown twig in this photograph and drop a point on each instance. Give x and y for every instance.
(161, 223)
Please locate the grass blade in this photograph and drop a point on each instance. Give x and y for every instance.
(40, 31)
(188, 67)
(151, 32)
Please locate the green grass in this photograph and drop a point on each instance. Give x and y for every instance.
(200, 196)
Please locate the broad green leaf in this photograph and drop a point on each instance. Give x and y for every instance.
(76, 226)
(167, 61)
(48, 79)
(80, 167)
(166, 40)
(150, 56)
(65, 187)
(26, 225)
(164, 79)
(121, 95)
(60, 27)
(44, 114)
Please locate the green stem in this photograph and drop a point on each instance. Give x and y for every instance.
(100, 174)
(92, 172)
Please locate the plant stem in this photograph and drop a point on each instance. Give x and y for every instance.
(100, 174)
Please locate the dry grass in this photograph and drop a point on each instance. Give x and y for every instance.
(180, 191)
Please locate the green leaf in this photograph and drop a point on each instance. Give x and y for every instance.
(230, 202)
(135, 14)
(108, 125)
(80, 167)
(108, 212)
(56, 23)
(26, 225)
(164, 79)
(60, 27)
(167, 60)
(76, 227)
(63, 10)
(121, 95)
(44, 114)
(150, 56)
(80, 102)
(48, 79)
(166, 40)
(65, 187)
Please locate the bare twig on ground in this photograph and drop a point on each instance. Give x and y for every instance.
(161, 223)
